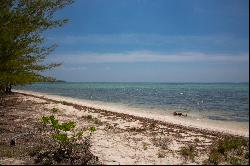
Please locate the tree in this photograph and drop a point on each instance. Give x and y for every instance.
(22, 45)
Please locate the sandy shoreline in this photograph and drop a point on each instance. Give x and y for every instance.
(235, 128)
(120, 137)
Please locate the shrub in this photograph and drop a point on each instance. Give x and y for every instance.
(230, 144)
(229, 150)
(163, 143)
(54, 110)
(59, 134)
(59, 128)
(98, 121)
(214, 158)
(235, 161)
(92, 129)
(188, 152)
(93, 119)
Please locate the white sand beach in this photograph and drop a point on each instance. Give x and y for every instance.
(235, 128)
(127, 137)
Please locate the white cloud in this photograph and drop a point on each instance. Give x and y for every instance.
(150, 40)
(149, 56)
(73, 68)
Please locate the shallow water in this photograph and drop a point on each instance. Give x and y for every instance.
(217, 101)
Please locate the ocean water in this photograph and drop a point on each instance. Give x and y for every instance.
(216, 101)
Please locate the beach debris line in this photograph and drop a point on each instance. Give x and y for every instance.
(179, 114)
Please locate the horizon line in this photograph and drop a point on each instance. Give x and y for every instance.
(63, 81)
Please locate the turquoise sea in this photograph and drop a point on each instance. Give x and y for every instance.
(217, 101)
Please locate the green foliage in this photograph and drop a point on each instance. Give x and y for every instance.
(54, 122)
(54, 110)
(92, 129)
(229, 150)
(98, 121)
(67, 126)
(229, 144)
(214, 158)
(22, 46)
(93, 119)
(145, 145)
(60, 137)
(79, 134)
(188, 152)
(69, 146)
(60, 128)
(235, 161)
(162, 142)
(45, 120)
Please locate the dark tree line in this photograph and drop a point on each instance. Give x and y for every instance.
(22, 45)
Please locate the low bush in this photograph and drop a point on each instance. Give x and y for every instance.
(69, 146)
(188, 152)
(229, 151)
(162, 142)
(54, 110)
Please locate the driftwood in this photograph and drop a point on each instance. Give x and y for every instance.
(179, 114)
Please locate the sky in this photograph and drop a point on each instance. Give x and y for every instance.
(152, 41)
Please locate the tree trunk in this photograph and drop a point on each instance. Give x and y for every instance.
(8, 89)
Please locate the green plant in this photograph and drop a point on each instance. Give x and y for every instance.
(23, 48)
(71, 147)
(47, 161)
(54, 110)
(162, 142)
(235, 161)
(87, 117)
(188, 152)
(60, 132)
(145, 145)
(229, 150)
(35, 150)
(98, 121)
(246, 156)
(92, 129)
(214, 158)
(230, 144)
